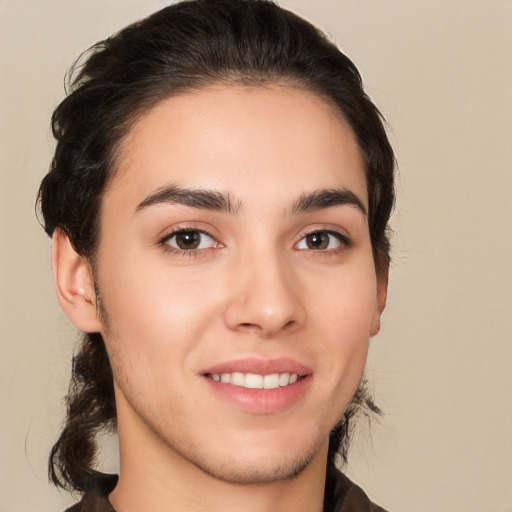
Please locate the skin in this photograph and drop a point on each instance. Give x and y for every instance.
(255, 287)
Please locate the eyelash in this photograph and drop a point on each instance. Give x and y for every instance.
(191, 253)
(344, 240)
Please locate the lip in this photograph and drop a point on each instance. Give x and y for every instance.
(260, 366)
(260, 401)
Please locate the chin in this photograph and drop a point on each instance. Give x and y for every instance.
(256, 462)
(251, 472)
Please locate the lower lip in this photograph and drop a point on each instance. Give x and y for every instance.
(262, 401)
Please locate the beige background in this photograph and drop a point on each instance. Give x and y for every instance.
(442, 367)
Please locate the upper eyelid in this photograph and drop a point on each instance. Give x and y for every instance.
(344, 239)
(169, 233)
(326, 229)
(187, 230)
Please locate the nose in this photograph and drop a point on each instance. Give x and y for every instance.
(265, 297)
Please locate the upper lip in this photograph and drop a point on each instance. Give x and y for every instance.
(259, 366)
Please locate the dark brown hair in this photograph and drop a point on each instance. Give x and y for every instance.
(185, 46)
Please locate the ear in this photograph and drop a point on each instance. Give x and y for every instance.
(382, 293)
(74, 284)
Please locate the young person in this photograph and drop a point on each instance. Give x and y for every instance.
(218, 205)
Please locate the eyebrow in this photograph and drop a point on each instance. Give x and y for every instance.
(224, 202)
(322, 199)
(196, 198)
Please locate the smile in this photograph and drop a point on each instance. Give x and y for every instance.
(259, 386)
(255, 381)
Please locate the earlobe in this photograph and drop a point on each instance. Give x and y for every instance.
(74, 284)
(382, 292)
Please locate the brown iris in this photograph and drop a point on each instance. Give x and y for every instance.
(188, 240)
(317, 241)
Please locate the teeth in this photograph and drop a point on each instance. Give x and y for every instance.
(271, 381)
(255, 381)
(284, 379)
(237, 379)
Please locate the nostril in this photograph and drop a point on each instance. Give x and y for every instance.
(289, 324)
(247, 326)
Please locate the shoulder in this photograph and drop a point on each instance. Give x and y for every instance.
(95, 498)
(343, 495)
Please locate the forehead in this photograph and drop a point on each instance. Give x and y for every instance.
(258, 143)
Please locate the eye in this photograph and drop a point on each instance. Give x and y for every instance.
(322, 241)
(190, 240)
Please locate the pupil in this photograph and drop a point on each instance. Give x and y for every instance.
(317, 241)
(188, 240)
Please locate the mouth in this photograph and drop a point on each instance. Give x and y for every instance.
(260, 386)
(256, 381)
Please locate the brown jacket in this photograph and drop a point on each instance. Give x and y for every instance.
(341, 495)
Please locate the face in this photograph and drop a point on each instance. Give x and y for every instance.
(236, 276)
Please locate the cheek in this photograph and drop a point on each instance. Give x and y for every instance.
(347, 301)
(344, 312)
(342, 363)
(155, 311)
